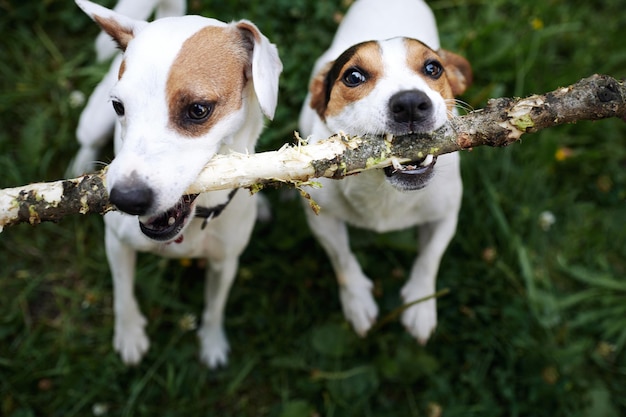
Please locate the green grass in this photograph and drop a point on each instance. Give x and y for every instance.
(534, 323)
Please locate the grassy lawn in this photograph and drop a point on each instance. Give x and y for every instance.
(534, 323)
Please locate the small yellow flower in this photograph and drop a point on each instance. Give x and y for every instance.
(185, 262)
(604, 183)
(489, 254)
(434, 409)
(89, 300)
(550, 375)
(605, 349)
(563, 153)
(536, 23)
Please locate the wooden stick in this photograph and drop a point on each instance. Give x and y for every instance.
(502, 122)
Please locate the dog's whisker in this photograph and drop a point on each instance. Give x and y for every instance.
(457, 102)
(460, 104)
(101, 164)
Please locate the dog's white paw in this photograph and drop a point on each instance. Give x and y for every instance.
(213, 346)
(420, 319)
(130, 340)
(359, 307)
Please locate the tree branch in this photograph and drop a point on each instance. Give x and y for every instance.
(502, 122)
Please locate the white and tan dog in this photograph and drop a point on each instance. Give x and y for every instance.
(188, 88)
(385, 73)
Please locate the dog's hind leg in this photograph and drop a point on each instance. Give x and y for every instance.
(129, 338)
(213, 342)
(421, 319)
(355, 289)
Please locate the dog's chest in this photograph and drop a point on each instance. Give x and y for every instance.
(368, 201)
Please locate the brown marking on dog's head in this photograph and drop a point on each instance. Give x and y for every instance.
(207, 78)
(429, 66)
(452, 81)
(121, 34)
(318, 88)
(120, 72)
(332, 81)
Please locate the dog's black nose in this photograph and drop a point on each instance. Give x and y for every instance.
(134, 198)
(410, 106)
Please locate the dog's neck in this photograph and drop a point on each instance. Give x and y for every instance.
(209, 213)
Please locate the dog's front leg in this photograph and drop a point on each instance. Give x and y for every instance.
(355, 289)
(219, 279)
(421, 319)
(129, 339)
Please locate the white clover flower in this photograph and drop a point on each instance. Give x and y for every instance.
(188, 322)
(99, 409)
(77, 99)
(546, 220)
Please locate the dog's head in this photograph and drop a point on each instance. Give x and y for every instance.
(187, 86)
(396, 86)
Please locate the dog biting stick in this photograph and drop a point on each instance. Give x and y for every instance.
(502, 122)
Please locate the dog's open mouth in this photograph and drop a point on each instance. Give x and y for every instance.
(167, 225)
(413, 175)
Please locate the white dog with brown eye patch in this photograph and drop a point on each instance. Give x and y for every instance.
(384, 73)
(188, 87)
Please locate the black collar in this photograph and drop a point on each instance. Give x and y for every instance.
(209, 213)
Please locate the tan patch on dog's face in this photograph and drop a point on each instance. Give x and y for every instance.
(206, 81)
(419, 56)
(368, 62)
(120, 72)
(331, 91)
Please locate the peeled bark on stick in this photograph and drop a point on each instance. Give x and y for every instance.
(502, 122)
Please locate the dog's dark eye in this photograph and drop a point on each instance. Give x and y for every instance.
(353, 77)
(118, 107)
(198, 112)
(433, 69)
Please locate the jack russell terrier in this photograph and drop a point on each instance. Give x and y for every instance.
(188, 87)
(385, 73)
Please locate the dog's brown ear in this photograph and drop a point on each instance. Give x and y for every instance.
(319, 90)
(265, 66)
(458, 71)
(121, 28)
(120, 34)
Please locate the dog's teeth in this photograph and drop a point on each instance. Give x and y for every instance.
(171, 221)
(396, 164)
(427, 161)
